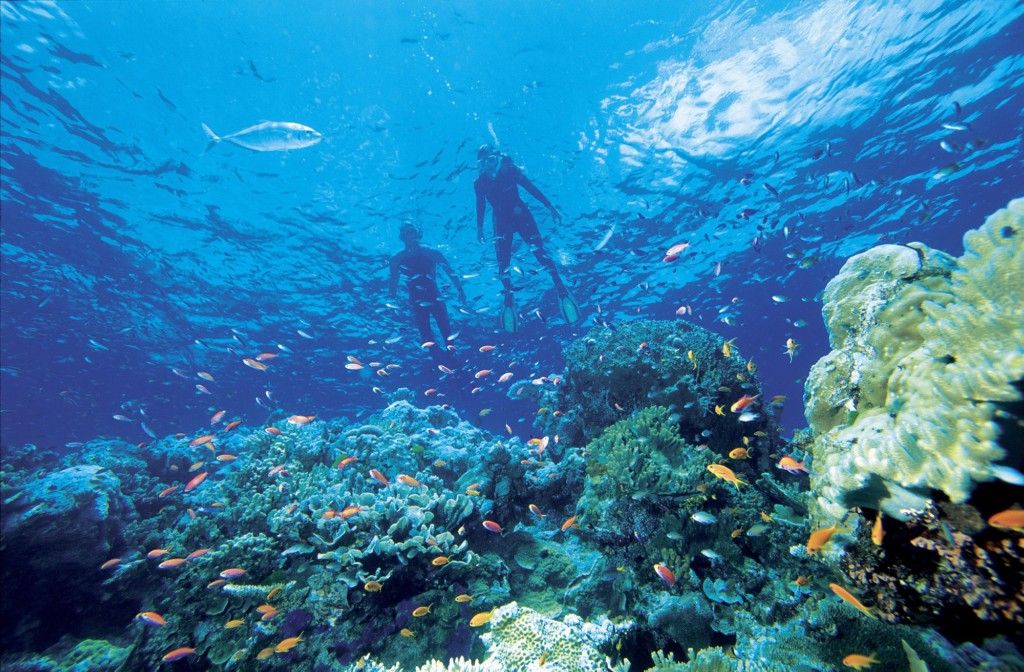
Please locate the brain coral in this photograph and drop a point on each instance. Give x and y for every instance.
(925, 348)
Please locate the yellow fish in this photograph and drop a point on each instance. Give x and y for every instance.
(727, 348)
(480, 619)
(726, 474)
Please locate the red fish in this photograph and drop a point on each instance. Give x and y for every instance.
(743, 402)
(178, 654)
(665, 574)
(787, 463)
(194, 483)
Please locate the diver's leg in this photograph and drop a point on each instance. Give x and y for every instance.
(422, 318)
(531, 234)
(440, 312)
(503, 251)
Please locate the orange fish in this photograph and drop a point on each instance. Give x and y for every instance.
(349, 511)
(157, 552)
(224, 457)
(492, 526)
(201, 440)
(216, 417)
(876, 530)
(151, 617)
(739, 454)
(265, 653)
(408, 480)
(178, 654)
(263, 356)
(726, 474)
(480, 619)
(820, 537)
(571, 522)
(164, 493)
(665, 574)
(440, 561)
(373, 586)
(743, 402)
(171, 563)
(215, 583)
(535, 510)
(234, 623)
(196, 466)
(419, 612)
(801, 581)
(286, 645)
(379, 477)
(301, 420)
(231, 425)
(205, 376)
(273, 591)
(463, 598)
(792, 466)
(847, 597)
(197, 553)
(113, 562)
(269, 614)
(1011, 519)
(194, 483)
(859, 662)
(232, 573)
(347, 461)
(486, 348)
(272, 430)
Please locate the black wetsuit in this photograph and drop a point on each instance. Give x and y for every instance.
(419, 264)
(512, 216)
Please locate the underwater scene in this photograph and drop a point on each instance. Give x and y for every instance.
(512, 336)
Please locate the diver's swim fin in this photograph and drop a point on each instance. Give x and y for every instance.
(508, 318)
(570, 311)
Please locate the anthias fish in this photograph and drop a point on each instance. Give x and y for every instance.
(269, 136)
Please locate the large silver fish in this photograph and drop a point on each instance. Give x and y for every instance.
(269, 136)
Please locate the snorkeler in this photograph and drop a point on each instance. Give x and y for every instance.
(499, 183)
(419, 264)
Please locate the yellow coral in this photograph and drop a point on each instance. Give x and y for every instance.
(907, 400)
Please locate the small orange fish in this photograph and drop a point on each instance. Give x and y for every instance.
(492, 526)
(739, 454)
(157, 552)
(801, 581)
(231, 425)
(419, 612)
(272, 430)
(265, 653)
(273, 591)
(234, 623)
(535, 510)
(373, 586)
(286, 645)
(439, 561)
(216, 582)
(264, 356)
(847, 597)
(486, 348)
(267, 615)
(328, 514)
(171, 563)
(727, 347)
(232, 573)
(205, 376)
(151, 617)
(201, 440)
(408, 480)
(197, 553)
(196, 466)
(164, 493)
(505, 377)
(787, 463)
(178, 654)
(735, 533)
(859, 662)
(194, 483)
(224, 457)
(349, 511)
(726, 474)
(571, 522)
(301, 420)
(113, 562)
(216, 417)
(876, 530)
(820, 537)
(347, 461)
(665, 574)
(1010, 519)
(743, 402)
(480, 619)
(406, 632)
(379, 477)
(463, 598)
(481, 373)
(191, 513)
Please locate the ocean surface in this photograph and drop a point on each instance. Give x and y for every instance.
(152, 278)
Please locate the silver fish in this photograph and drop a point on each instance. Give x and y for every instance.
(269, 136)
(703, 517)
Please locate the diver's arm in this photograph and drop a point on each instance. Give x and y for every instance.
(443, 263)
(531, 189)
(481, 208)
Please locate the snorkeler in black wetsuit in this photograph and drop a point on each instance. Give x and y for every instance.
(499, 183)
(419, 264)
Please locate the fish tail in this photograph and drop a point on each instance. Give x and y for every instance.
(210, 135)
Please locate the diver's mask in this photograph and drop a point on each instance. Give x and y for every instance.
(489, 163)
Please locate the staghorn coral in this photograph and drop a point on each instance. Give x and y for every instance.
(925, 349)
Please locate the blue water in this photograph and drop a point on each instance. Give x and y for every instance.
(130, 248)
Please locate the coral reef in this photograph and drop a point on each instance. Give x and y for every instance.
(925, 350)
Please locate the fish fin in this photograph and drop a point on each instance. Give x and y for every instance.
(508, 318)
